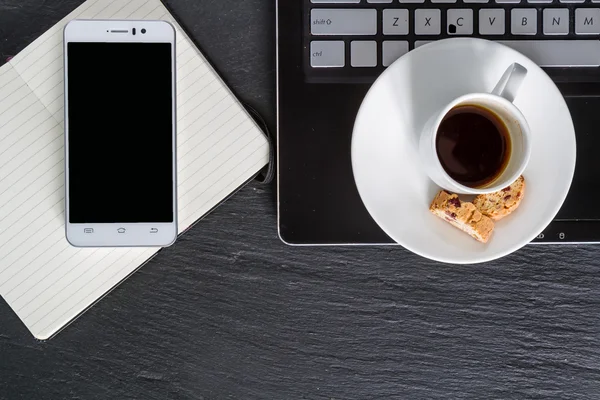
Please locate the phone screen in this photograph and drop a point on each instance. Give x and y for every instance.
(120, 132)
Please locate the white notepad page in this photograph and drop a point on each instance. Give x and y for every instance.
(47, 282)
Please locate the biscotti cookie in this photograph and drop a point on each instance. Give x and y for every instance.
(463, 215)
(499, 204)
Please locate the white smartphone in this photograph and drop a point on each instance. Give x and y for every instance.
(120, 133)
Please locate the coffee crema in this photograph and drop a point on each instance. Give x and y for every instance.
(473, 145)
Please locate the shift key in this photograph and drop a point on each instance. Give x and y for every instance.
(325, 21)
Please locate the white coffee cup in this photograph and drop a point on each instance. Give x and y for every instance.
(498, 102)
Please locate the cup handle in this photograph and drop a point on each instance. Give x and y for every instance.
(511, 81)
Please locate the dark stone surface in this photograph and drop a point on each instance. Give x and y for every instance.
(231, 312)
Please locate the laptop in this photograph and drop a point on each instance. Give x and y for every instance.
(329, 52)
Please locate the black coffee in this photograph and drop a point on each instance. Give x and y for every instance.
(473, 145)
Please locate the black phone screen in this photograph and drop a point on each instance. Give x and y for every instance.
(120, 132)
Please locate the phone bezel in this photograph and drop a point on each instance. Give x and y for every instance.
(120, 234)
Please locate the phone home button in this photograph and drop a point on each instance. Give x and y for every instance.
(121, 230)
(88, 230)
(153, 230)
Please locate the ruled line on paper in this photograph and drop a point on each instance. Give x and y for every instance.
(97, 292)
(46, 312)
(46, 282)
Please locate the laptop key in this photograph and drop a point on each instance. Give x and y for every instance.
(327, 54)
(523, 21)
(428, 22)
(395, 22)
(556, 21)
(553, 53)
(460, 21)
(491, 21)
(559, 53)
(324, 21)
(587, 21)
(363, 53)
(393, 50)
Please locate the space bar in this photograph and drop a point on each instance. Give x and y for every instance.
(554, 53)
(558, 53)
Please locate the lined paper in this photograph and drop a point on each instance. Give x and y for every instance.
(46, 281)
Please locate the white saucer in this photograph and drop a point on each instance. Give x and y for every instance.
(388, 172)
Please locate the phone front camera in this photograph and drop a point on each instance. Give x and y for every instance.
(143, 31)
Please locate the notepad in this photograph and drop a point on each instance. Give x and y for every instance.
(45, 281)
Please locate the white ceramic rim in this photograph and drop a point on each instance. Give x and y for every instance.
(525, 132)
(510, 249)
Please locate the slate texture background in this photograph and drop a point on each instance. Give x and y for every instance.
(230, 312)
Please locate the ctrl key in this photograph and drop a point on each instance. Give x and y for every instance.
(327, 54)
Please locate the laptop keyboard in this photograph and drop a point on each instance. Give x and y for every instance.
(358, 38)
